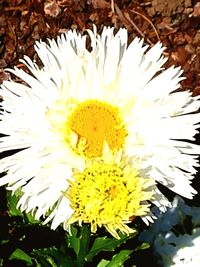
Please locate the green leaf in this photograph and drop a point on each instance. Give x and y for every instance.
(84, 245)
(19, 254)
(12, 205)
(12, 201)
(73, 240)
(106, 244)
(28, 217)
(103, 263)
(51, 261)
(79, 242)
(61, 258)
(53, 257)
(142, 246)
(119, 259)
(65, 261)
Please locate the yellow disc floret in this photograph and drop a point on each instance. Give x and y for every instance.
(96, 123)
(108, 195)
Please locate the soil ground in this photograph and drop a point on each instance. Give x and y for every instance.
(175, 23)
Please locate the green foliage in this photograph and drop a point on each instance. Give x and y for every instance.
(106, 244)
(19, 254)
(12, 200)
(79, 250)
(24, 241)
(52, 257)
(117, 260)
(12, 205)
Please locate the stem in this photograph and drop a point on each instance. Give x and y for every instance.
(84, 245)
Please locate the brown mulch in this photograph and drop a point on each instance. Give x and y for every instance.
(176, 23)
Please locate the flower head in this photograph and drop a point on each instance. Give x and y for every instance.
(186, 251)
(178, 251)
(83, 102)
(109, 193)
(173, 243)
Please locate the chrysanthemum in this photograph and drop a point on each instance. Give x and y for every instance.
(84, 102)
(109, 193)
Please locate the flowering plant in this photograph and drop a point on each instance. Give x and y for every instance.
(175, 235)
(96, 130)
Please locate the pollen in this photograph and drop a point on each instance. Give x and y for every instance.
(109, 196)
(96, 123)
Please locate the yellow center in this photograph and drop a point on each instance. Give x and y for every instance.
(108, 195)
(95, 124)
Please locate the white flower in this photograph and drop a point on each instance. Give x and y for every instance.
(180, 251)
(170, 249)
(188, 253)
(82, 100)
